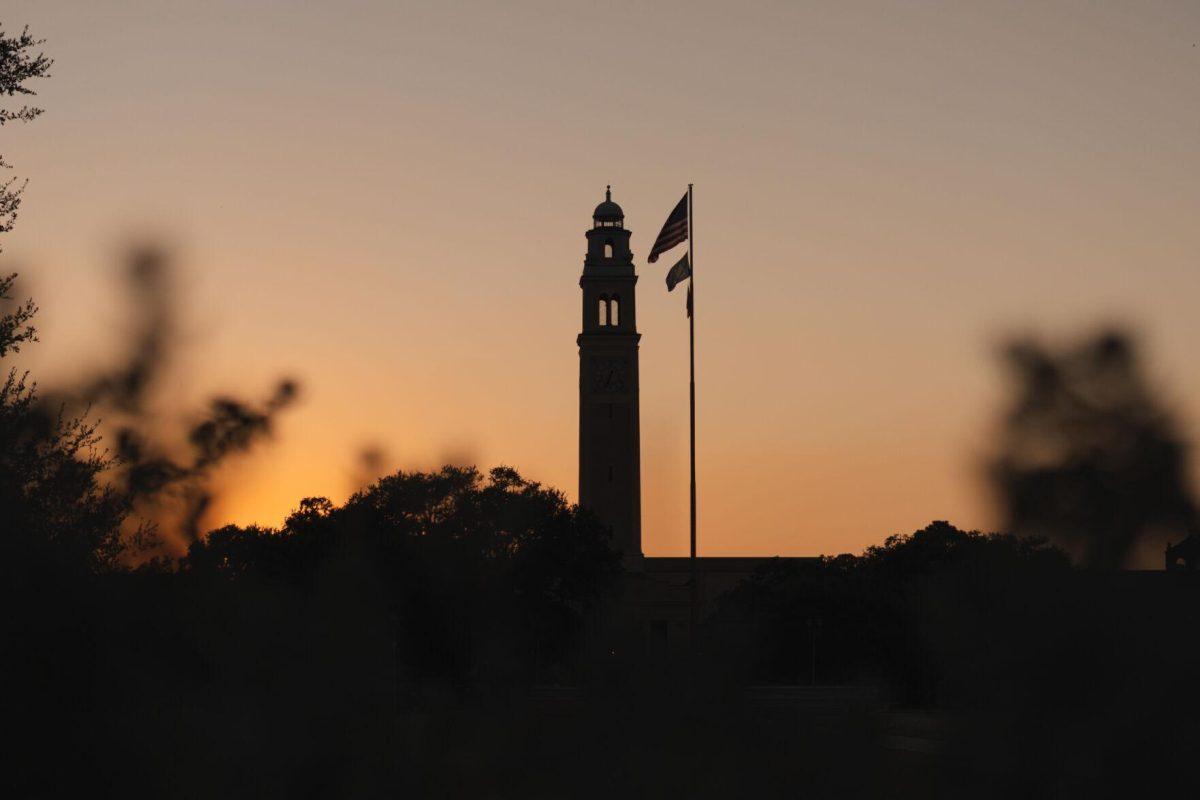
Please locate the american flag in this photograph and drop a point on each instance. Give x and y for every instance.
(674, 230)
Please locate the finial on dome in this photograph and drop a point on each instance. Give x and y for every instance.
(608, 193)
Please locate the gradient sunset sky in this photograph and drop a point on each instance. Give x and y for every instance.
(388, 200)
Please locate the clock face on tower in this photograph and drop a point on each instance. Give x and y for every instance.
(609, 374)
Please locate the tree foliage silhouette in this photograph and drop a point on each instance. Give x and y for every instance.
(56, 509)
(487, 578)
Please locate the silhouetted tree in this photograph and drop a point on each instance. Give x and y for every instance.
(1089, 456)
(18, 66)
(56, 510)
(940, 546)
(486, 578)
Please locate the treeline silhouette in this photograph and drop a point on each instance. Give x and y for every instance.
(474, 580)
(867, 619)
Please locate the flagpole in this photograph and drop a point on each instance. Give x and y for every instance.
(692, 409)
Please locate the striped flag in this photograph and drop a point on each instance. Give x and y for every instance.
(680, 272)
(674, 231)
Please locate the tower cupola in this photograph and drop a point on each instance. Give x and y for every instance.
(608, 214)
(608, 240)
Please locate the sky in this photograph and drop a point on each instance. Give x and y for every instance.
(388, 201)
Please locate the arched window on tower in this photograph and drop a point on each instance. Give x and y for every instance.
(608, 249)
(613, 313)
(603, 318)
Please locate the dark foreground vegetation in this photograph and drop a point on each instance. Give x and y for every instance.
(451, 634)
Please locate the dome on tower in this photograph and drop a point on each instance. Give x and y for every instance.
(608, 211)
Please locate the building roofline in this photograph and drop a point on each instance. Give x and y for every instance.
(711, 564)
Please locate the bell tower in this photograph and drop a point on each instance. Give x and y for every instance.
(609, 438)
